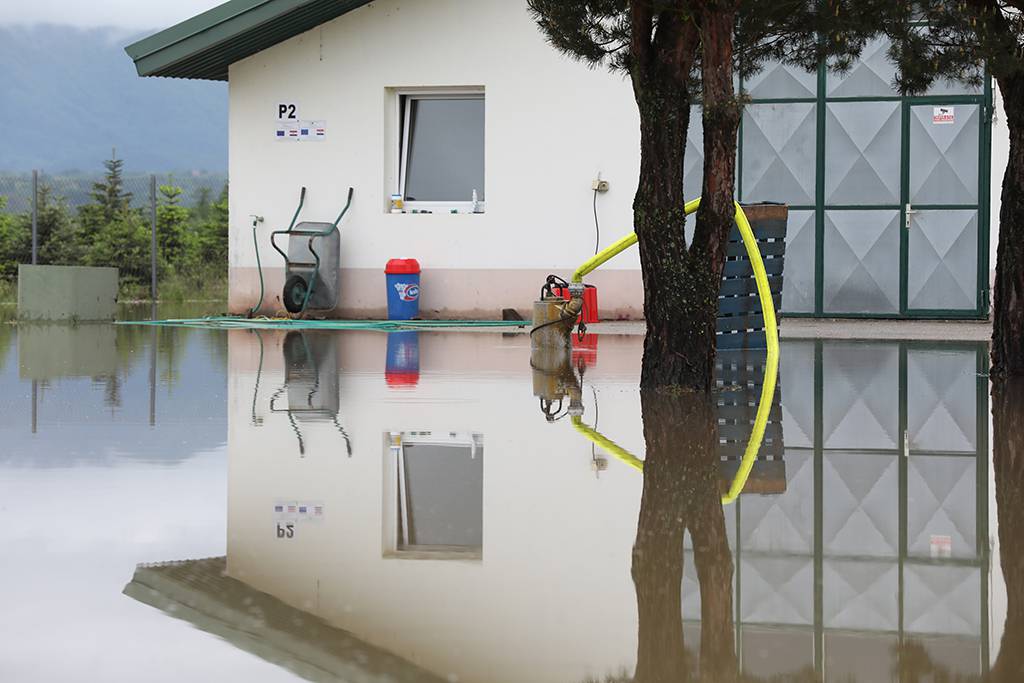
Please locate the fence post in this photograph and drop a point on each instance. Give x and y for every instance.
(35, 217)
(152, 244)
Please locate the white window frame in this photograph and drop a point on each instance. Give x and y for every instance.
(395, 515)
(402, 151)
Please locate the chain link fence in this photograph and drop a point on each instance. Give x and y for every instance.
(166, 233)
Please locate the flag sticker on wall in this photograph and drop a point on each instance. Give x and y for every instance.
(943, 115)
(298, 511)
(301, 131)
(286, 130)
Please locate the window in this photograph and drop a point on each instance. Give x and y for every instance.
(434, 503)
(441, 152)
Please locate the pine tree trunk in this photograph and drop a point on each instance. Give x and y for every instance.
(679, 346)
(681, 491)
(720, 118)
(1008, 463)
(1008, 330)
(681, 281)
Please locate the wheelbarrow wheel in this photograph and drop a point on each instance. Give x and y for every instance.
(294, 294)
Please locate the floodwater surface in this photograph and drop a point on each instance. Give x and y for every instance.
(205, 505)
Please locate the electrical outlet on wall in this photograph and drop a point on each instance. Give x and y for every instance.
(599, 185)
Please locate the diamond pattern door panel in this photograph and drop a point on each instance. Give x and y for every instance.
(942, 270)
(942, 507)
(782, 524)
(942, 599)
(861, 595)
(775, 590)
(942, 391)
(780, 80)
(861, 504)
(860, 404)
(944, 155)
(795, 359)
(871, 75)
(798, 283)
(862, 161)
(862, 261)
(779, 153)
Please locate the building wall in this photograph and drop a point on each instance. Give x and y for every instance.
(546, 140)
(552, 126)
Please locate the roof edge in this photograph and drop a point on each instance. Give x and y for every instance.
(198, 39)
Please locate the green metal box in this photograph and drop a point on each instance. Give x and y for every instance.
(69, 293)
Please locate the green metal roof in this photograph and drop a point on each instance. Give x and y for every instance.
(201, 593)
(202, 47)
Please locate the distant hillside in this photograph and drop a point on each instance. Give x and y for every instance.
(68, 95)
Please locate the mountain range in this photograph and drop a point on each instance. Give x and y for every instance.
(69, 95)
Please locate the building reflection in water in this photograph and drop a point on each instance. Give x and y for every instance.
(870, 560)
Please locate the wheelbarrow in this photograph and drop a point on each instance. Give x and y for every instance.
(311, 263)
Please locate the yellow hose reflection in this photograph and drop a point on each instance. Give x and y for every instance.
(764, 405)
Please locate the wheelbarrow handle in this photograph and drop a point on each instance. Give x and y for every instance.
(348, 203)
(302, 200)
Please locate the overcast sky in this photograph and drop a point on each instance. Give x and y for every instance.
(131, 14)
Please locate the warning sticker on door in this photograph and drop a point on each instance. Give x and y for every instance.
(943, 115)
(940, 546)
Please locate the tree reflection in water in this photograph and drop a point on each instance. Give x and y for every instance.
(1008, 462)
(681, 493)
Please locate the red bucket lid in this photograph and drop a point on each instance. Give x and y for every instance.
(402, 380)
(402, 266)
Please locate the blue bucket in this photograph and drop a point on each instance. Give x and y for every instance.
(403, 282)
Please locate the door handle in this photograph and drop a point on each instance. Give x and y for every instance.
(909, 211)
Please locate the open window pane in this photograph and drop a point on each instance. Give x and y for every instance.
(444, 149)
(442, 505)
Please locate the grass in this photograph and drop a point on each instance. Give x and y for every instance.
(8, 292)
(206, 283)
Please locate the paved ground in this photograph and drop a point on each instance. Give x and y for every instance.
(805, 328)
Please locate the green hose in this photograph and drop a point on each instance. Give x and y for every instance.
(238, 323)
(259, 269)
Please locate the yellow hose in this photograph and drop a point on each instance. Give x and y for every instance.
(771, 370)
(607, 444)
(771, 329)
(597, 260)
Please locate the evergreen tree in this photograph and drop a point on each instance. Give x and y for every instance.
(123, 243)
(59, 242)
(951, 41)
(678, 52)
(110, 194)
(172, 227)
(213, 232)
(202, 208)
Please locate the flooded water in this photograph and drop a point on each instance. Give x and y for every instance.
(356, 506)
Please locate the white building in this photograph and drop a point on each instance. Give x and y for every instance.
(437, 99)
